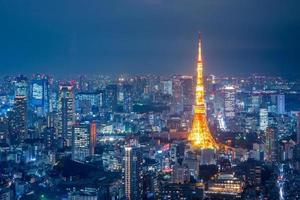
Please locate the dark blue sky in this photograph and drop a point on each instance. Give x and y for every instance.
(149, 36)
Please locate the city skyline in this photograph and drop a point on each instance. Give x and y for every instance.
(159, 37)
(149, 100)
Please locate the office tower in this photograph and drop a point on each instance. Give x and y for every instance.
(208, 157)
(133, 173)
(270, 154)
(229, 102)
(53, 102)
(263, 119)
(111, 98)
(48, 136)
(255, 174)
(39, 95)
(255, 103)
(4, 130)
(140, 83)
(280, 104)
(89, 102)
(200, 135)
(167, 87)
(177, 100)
(180, 174)
(93, 137)
(66, 113)
(192, 161)
(21, 86)
(81, 142)
(6, 193)
(18, 120)
(188, 90)
(128, 98)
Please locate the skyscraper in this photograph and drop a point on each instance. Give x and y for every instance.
(188, 92)
(66, 113)
(270, 145)
(93, 137)
(167, 87)
(200, 135)
(39, 95)
(111, 98)
(89, 102)
(18, 120)
(263, 119)
(128, 98)
(280, 104)
(21, 86)
(82, 141)
(229, 102)
(177, 92)
(133, 173)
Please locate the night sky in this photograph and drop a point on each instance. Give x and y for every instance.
(60, 37)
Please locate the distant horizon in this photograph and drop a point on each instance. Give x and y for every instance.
(116, 75)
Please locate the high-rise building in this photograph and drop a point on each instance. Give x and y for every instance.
(180, 174)
(18, 120)
(188, 92)
(4, 133)
(39, 95)
(280, 104)
(270, 153)
(89, 102)
(53, 100)
(200, 135)
(133, 173)
(128, 98)
(93, 137)
(48, 136)
(255, 103)
(66, 113)
(177, 92)
(167, 87)
(82, 141)
(263, 119)
(192, 161)
(111, 97)
(229, 102)
(21, 86)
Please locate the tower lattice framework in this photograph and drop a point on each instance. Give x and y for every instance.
(200, 135)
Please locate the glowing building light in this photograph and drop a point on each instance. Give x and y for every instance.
(200, 135)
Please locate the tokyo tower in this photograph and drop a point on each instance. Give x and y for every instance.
(200, 135)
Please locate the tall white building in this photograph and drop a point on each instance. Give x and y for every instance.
(263, 119)
(229, 102)
(81, 142)
(21, 86)
(280, 104)
(167, 87)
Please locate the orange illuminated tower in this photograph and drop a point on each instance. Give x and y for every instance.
(200, 135)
